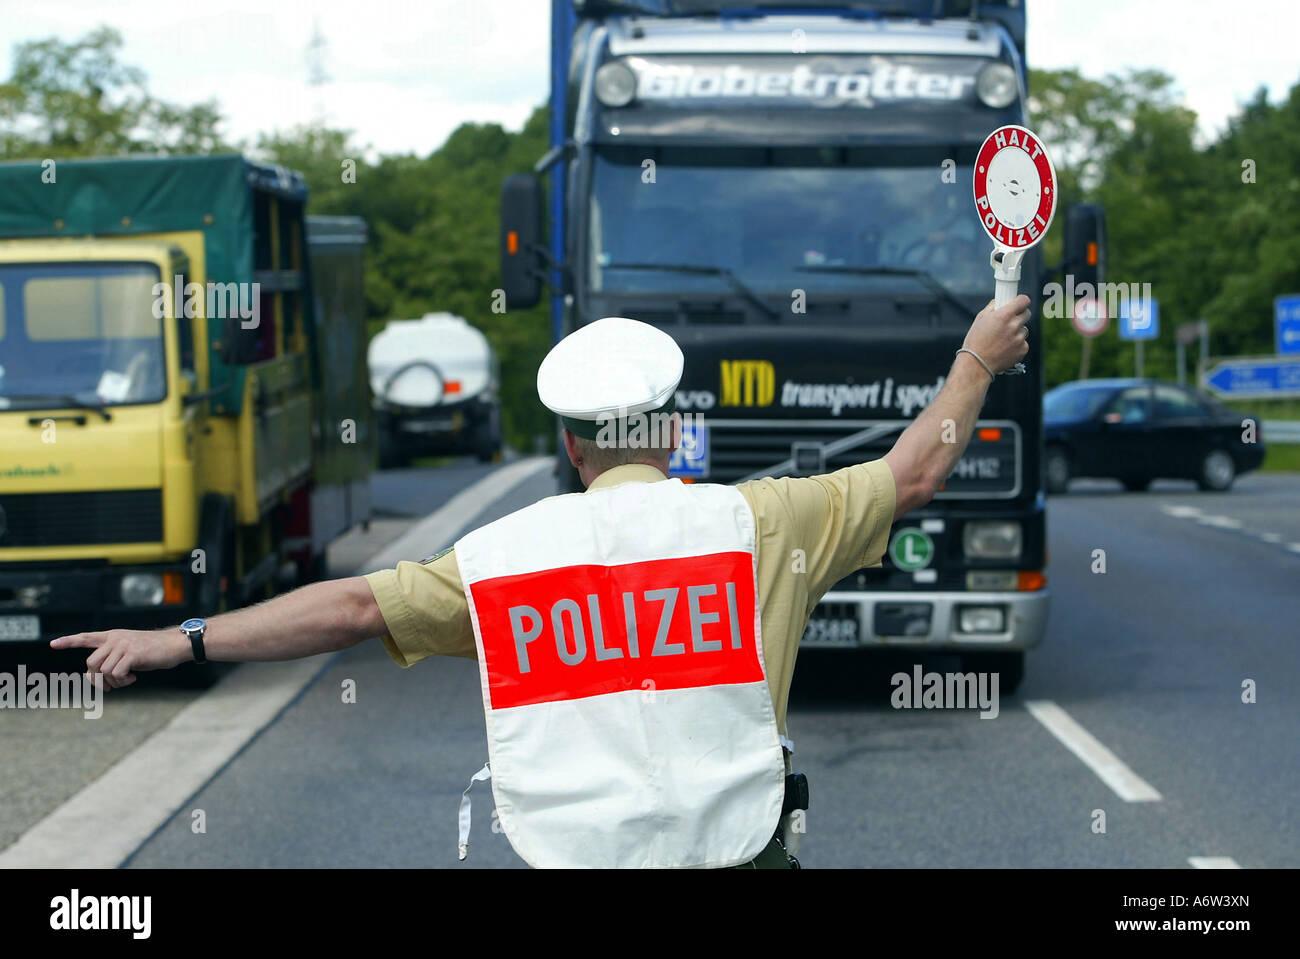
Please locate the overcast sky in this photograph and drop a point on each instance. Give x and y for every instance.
(403, 74)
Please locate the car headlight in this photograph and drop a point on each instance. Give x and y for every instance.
(997, 86)
(992, 539)
(615, 84)
(142, 589)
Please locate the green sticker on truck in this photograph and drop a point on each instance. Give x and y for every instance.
(911, 548)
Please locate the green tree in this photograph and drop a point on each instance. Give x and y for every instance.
(77, 99)
(433, 228)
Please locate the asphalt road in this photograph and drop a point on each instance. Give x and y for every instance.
(1199, 595)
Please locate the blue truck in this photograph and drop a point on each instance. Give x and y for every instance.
(787, 190)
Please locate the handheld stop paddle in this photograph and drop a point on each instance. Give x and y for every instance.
(1015, 196)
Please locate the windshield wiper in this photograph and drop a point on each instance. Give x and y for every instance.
(925, 279)
(54, 399)
(731, 278)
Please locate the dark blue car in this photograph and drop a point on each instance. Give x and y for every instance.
(1136, 431)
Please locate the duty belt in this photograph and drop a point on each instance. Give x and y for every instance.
(774, 855)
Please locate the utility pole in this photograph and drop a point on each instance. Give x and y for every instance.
(316, 75)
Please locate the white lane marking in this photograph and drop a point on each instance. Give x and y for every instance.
(1127, 784)
(435, 531)
(1293, 547)
(108, 819)
(1182, 512)
(1213, 862)
(1271, 537)
(111, 817)
(1223, 522)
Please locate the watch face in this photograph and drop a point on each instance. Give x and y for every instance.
(192, 624)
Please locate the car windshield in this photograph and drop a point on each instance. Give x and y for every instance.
(1074, 403)
(769, 215)
(79, 333)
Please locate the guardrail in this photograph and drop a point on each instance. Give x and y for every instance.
(1281, 431)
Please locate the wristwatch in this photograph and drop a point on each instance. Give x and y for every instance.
(194, 630)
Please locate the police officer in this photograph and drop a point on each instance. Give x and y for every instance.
(635, 642)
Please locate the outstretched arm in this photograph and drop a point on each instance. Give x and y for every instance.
(319, 618)
(926, 452)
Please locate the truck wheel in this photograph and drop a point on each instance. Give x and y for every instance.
(216, 539)
(1008, 664)
(1057, 468)
(390, 457)
(487, 436)
(1217, 471)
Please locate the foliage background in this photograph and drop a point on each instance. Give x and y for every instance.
(1180, 214)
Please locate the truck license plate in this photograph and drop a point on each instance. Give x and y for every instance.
(19, 627)
(831, 631)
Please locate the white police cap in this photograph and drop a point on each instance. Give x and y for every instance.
(610, 369)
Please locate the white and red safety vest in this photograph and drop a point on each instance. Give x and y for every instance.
(629, 720)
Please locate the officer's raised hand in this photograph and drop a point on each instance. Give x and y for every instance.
(1000, 335)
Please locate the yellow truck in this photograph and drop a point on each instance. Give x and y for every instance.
(185, 412)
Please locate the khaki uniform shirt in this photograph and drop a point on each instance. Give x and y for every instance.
(811, 532)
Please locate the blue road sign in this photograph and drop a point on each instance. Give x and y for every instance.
(1139, 319)
(1254, 379)
(1286, 312)
(691, 459)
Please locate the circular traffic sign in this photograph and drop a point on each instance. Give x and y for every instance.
(911, 548)
(1015, 187)
(1089, 316)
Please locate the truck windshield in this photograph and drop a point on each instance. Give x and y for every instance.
(766, 215)
(79, 334)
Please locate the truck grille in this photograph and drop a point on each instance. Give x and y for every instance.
(72, 519)
(990, 467)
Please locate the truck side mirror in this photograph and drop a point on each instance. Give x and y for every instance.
(521, 240)
(1085, 243)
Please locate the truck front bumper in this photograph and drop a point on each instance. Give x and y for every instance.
(68, 599)
(931, 620)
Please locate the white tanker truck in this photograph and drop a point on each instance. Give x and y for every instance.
(435, 382)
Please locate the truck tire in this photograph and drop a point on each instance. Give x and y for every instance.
(487, 436)
(217, 540)
(1008, 664)
(390, 457)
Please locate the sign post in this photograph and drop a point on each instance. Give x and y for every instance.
(1089, 319)
(1185, 336)
(1139, 321)
(1015, 197)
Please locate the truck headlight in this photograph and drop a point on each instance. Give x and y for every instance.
(142, 589)
(992, 539)
(615, 84)
(997, 86)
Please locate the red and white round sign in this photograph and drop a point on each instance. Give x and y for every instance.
(1090, 316)
(1015, 187)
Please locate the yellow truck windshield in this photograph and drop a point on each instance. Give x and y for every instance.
(83, 333)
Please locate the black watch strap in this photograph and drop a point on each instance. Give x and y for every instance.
(195, 636)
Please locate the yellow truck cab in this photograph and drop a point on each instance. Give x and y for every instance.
(185, 414)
